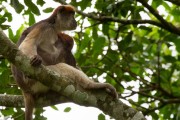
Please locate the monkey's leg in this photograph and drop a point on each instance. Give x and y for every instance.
(29, 105)
(81, 78)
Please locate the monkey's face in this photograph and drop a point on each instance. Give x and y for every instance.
(66, 20)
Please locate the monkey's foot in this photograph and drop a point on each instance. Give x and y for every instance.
(111, 90)
(36, 61)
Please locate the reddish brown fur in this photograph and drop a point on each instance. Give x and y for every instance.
(65, 8)
(69, 42)
(69, 9)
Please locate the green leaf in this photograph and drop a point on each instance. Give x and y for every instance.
(32, 7)
(17, 6)
(176, 13)
(105, 29)
(167, 6)
(4, 27)
(97, 47)
(123, 44)
(156, 3)
(2, 19)
(94, 32)
(54, 107)
(125, 11)
(8, 15)
(136, 13)
(113, 55)
(84, 43)
(31, 19)
(84, 4)
(18, 33)
(3, 65)
(11, 35)
(98, 44)
(4, 77)
(175, 40)
(48, 10)
(40, 2)
(169, 58)
(100, 4)
(18, 114)
(67, 109)
(101, 117)
(176, 91)
(7, 111)
(155, 116)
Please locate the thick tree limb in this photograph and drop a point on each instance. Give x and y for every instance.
(42, 101)
(61, 85)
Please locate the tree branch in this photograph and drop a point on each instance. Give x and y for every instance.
(124, 22)
(169, 26)
(63, 86)
(42, 101)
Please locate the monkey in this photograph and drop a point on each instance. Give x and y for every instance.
(46, 44)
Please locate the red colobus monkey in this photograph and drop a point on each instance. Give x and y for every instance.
(45, 44)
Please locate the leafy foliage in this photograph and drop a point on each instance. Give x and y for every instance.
(138, 59)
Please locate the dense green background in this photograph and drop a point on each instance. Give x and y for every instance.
(139, 57)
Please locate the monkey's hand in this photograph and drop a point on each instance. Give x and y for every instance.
(36, 60)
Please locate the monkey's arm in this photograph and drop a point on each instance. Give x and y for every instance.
(29, 47)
